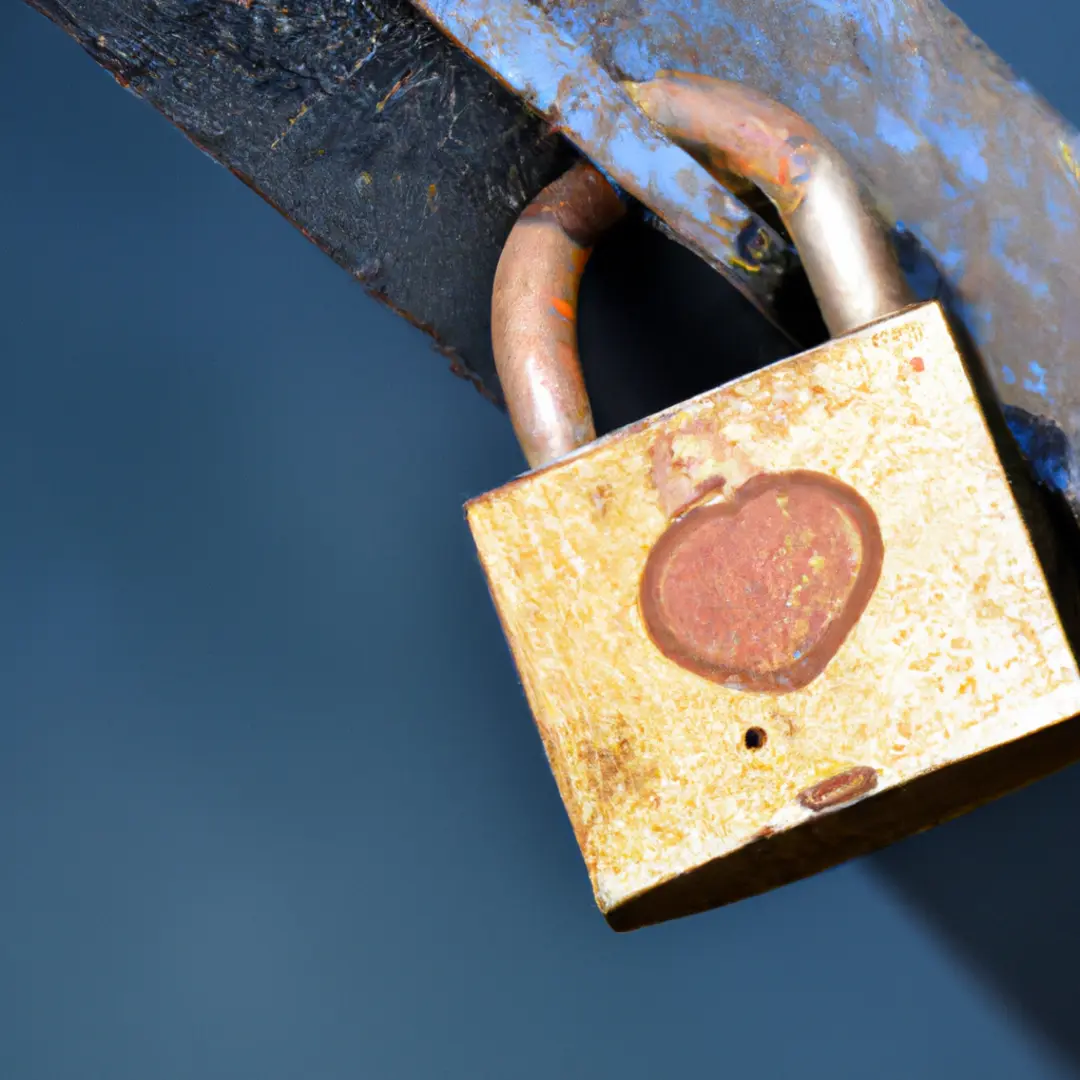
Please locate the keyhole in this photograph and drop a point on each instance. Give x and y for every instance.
(755, 738)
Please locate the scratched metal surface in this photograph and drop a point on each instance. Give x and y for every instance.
(408, 164)
(386, 145)
(979, 178)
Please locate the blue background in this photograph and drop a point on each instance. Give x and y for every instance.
(271, 802)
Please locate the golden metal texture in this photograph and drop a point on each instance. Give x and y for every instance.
(948, 689)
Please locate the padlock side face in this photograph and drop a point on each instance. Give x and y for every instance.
(759, 632)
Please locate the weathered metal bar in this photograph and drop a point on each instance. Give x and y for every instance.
(386, 145)
(408, 164)
(977, 176)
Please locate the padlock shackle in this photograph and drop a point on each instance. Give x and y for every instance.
(534, 312)
(843, 246)
(732, 130)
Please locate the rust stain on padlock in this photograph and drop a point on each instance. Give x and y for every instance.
(619, 770)
(759, 592)
(839, 789)
(694, 461)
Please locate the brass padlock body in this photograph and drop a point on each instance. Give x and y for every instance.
(793, 619)
(685, 794)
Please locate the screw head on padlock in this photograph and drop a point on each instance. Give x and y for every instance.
(792, 619)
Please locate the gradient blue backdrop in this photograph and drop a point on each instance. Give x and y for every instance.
(271, 803)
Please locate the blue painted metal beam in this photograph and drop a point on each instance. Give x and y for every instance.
(561, 80)
(978, 177)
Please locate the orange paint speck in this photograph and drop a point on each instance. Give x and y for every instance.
(917, 363)
(565, 309)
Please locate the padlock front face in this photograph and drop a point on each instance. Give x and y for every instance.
(773, 606)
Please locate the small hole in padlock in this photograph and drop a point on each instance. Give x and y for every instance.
(755, 738)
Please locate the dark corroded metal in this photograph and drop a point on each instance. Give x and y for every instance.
(360, 122)
(978, 178)
(534, 311)
(387, 146)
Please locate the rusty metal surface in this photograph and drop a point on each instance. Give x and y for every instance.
(978, 178)
(842, 788)
(758, 592)
(846, 253)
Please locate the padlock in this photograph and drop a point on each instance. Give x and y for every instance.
(792, 619)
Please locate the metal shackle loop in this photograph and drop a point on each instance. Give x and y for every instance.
(843, 246)
(849, 261)
(534, 312)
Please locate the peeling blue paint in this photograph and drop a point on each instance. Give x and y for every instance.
(895, 132)
(543, 59)
(1044, 445)
(843, 84)
(1008, 375)
(1059, 209)
(1036, 385)
(635, 58)
(962, 145)
(1017, 173)
(978, 320)
(1001, 238)
(953, 262)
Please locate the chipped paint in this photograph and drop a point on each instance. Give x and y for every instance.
(1036, 384)
(896, 132)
